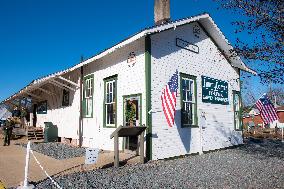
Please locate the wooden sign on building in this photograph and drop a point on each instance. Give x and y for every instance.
(214, 91)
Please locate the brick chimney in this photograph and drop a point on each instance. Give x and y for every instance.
(162, 11)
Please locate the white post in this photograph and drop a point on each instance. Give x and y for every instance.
(26, 183)
(202, 124)
(201, 141)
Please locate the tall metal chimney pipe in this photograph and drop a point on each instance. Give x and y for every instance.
(162, 11)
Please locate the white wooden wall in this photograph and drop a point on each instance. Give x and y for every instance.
(66, 118)
(166, 58)
(130, 80)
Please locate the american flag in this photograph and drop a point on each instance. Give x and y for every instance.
(169, 99)
(266, 109)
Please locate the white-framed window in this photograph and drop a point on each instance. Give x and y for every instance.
(88, 96)
(110, 102)
(188, 101)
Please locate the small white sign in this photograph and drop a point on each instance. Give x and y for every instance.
(187, 45)
(92, 155)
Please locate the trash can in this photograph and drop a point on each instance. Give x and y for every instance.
(50, 132)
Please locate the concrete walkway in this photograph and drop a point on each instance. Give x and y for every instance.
(12, 163)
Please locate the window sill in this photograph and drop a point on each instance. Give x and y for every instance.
(108, 126)
(87, 116)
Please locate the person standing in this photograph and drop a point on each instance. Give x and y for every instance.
(23, 117)
(8, 128)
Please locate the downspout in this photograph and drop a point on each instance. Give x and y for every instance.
(81, 107)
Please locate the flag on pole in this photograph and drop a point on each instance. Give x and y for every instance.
(266, 109)
(169, 99)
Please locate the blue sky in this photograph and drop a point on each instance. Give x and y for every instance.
(39, 37)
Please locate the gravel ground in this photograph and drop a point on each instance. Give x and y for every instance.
(259, 164)
(57, 150)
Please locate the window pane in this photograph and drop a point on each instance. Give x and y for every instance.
(107, 93)
(237, 102)
(188, 90)
(191, 91)
(183, 84)
(187, 85)
(188, 103)
(114, 91)
(110, 97)
(107, 88)
(88, 88)
(88, 94)
(237, 120)
(110, 111)
(107, 98)
(237, 106)
(188, 114)
(183, 95)
(91, 87)
(189, 96)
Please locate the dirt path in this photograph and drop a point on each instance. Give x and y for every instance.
(12, 163)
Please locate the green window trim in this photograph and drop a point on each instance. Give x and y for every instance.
(148, 105)
(91, 76)
(106, 80)
(237, 93)
(187, 76)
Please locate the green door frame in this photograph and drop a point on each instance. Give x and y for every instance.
(140, 113)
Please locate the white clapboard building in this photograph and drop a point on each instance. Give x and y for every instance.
(123, 85)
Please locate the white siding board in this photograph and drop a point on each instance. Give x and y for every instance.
(66, 118)
(166, 58)
(130, 80)
(219, 131)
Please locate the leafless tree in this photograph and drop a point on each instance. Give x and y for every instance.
(263, 20)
